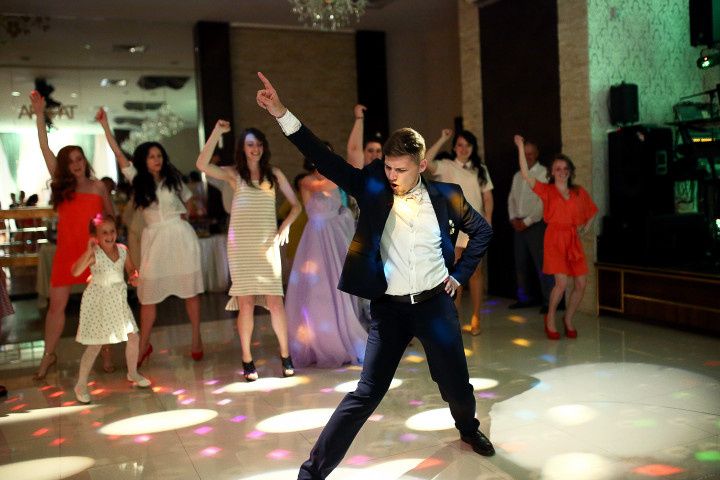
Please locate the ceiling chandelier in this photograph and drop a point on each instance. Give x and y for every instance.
(166, 124)
(328, 14)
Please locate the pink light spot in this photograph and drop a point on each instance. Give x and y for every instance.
(224, 401)
(657, 470)
(238, 419)
(13, 399)
(358, 460)
(85, 412)
(375, 418)
(188, 401)
(18, 407)
(211, 382)
(210, 451)
(712, 363)
(69, 404)
(220, 390)
(91, 384)
(203, 430)
(56, 394)
(46, 387)
(97, 424)
(486, 395)
(157, 389)
(57, 442)
(40, 432)
(255, 434)
(97, 391)
(142, 438)
(179, 392)
(416, 403)
(278, 454)
(327, 390)
(408, 437)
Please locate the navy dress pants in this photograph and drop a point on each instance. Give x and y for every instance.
(435, 324)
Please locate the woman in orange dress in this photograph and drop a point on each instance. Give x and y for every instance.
(568, 211)
(77, 197)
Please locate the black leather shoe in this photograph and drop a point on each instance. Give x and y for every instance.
(479, 443)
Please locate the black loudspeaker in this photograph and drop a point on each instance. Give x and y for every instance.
(704, 22)
(624, 104)
(639, 171)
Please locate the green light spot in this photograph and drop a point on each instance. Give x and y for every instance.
(645, 423)
(708, 456)
(681, 395)
(705, 63)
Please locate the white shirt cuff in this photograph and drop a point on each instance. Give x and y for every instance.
(528, 221)
(289, 123)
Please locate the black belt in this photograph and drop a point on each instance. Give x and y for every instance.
(414, 298)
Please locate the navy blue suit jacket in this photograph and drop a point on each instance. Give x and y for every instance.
(363, 273)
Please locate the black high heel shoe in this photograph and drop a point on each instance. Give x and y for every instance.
(287, 366)
(249, 371)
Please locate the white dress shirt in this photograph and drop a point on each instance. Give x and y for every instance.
(523, 203)
(410, 246)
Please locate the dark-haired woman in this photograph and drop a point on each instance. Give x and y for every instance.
(466, 169)
(568, 211)
(254, 239)
(170, 252)
(78, 197)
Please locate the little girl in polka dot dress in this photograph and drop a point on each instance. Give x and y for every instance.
(105, 316)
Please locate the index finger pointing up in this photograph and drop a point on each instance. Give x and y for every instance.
(265, 81)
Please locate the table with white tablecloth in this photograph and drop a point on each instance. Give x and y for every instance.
(215, 268)
(213, 256)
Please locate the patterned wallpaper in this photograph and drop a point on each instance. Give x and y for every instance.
(646, 42)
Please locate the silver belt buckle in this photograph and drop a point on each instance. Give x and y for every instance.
(412, 298)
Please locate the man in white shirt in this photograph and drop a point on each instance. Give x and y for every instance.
(526, 217)
(401, 258)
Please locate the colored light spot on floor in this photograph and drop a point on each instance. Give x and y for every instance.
(657, 470)
(708, 456)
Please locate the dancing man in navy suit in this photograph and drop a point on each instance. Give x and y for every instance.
(401, 258)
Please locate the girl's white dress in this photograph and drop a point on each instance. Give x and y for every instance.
(105, 316)
(170, 251)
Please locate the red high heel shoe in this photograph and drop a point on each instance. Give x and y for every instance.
(197, 356)
(550, 335)
(145, 355)
(570, 333)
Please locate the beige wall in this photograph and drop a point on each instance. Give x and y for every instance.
(183, 149)
(576, 132)
(424, 86)
(314, 74)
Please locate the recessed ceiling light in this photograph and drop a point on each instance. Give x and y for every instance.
(74, 95)
(15, 93)
(130, 48)
(113, 82)
(87, 46)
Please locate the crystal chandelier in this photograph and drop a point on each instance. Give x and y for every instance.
(166, 124)
(328, 14)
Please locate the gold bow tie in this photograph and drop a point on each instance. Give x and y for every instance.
(414, 195)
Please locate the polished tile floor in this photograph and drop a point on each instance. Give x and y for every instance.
(624, 401)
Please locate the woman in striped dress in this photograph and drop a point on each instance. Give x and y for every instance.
(254, 238)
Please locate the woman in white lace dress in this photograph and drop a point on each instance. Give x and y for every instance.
(170, 258)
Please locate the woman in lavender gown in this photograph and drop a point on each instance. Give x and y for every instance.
(323, 322)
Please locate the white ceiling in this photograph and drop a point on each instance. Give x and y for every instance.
(76, 52)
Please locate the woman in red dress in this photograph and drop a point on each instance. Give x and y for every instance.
(568, 211)
(77, 197)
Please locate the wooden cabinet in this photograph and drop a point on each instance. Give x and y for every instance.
(683, 299)
(22, 232)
